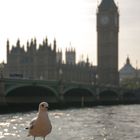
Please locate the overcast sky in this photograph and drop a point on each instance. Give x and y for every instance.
(69, 21)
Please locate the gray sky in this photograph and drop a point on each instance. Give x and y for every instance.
(129, 31)
(68, 21)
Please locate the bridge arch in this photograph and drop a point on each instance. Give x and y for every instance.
(31, 94)
(108, 95)
(79, 94)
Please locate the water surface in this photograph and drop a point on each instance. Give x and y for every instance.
(96, 123)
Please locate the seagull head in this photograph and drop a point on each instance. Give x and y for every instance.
(43, 106)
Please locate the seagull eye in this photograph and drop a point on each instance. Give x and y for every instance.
(42, 105)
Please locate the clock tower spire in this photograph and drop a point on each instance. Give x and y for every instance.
(107, 43)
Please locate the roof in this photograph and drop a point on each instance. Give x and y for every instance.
(107, 4)
(127, 68)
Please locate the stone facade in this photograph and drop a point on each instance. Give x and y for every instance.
(34, 63)
(43, 62)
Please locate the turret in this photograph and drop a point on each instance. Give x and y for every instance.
(18, 43)
(33, 45)
(127, 60)
(8, 48)
(54, 45)
(59, 56)
(28, 45)
(87, 61)
(70, 56)
(46, 41)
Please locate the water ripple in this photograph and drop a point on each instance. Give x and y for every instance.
(97, 123)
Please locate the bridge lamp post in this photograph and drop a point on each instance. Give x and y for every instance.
(60, 74)
(60, 83)
(96, 79)
(1, 70)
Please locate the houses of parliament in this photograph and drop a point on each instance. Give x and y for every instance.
(45, 62)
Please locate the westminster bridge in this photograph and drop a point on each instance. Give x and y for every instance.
(24, 91)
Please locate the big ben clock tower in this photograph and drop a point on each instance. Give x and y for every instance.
(107, 43)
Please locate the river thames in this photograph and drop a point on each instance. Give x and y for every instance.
(120, 122)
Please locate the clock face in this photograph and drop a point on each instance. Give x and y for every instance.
(104, 20)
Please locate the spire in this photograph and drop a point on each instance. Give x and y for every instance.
(46, 41)
(87, 60)
(8, 47)
(54, 45)
(127, 60)
(7, 44)
(31, 43)
(18, 43)
(107, 5)
(27, 44)
(35, 42)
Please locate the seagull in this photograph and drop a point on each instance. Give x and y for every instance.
(41, 125)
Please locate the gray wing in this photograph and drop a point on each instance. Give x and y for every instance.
(32, 123)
